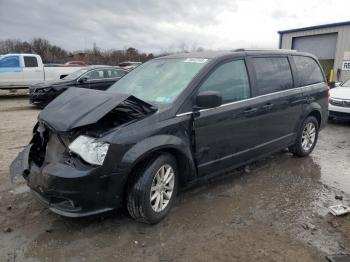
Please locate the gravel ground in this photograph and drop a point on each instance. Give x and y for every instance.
(275, 210)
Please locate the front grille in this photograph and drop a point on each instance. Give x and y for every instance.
(48, 147)
(32, 90)
(39, 91)
(39, 141)
(55, 149)
(342, 103)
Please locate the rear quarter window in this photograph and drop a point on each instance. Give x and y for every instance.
(119, 73)
(273, 74)
(95, 74)
(30, 61)
(308, 71)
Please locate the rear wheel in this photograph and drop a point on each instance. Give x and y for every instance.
(152, 190)
(307, 137)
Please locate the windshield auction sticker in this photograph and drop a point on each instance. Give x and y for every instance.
(196, 60)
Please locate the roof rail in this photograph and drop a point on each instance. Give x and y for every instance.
(261, 49)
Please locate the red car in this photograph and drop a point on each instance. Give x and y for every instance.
(75, 63)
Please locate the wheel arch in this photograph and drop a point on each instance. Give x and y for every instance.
(154, 146)
(313, 109)
(317, 114)
(296, 147)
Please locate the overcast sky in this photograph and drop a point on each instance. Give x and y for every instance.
(161, 25)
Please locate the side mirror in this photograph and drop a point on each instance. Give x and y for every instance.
(208, 99)
(83, 80)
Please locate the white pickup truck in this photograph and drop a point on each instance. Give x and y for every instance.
(22, 70)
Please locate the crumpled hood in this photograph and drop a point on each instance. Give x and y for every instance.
(340, 92)
(78, 107)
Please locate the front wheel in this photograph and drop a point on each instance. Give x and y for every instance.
(152, 190)
(307, 138)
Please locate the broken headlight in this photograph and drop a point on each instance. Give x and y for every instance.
(89, 149)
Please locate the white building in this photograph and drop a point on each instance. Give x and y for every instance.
(330, 43)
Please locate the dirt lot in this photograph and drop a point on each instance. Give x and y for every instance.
(275, 210)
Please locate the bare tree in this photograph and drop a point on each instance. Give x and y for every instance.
(55, 54)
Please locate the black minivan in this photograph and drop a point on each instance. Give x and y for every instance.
(170, 122)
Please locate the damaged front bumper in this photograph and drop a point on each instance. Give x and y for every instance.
(63, 180)
(70, 189)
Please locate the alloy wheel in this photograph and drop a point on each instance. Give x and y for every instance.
(162, 188)
(308, 137)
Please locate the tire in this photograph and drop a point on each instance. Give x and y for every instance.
(302, 148)
(146, 182)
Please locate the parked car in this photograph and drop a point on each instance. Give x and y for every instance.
(93, 77)
(129, 65)
(168, 123)
(22, 70)
(339, 101)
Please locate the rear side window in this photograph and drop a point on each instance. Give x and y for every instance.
(95, 75)
(9, 61)
(230, 80)
(112, 73)
(308, 71)
(273, 74)
(30, 61)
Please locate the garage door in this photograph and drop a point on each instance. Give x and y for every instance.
(322, 46)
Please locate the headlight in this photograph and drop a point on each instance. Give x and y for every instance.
(89, 149)
(42, 90)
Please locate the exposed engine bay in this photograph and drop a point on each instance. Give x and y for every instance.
(48, 144)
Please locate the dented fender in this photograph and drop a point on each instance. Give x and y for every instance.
(155, 143)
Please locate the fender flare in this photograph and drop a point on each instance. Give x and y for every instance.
(143, 149)
(307, 111)
(313, 107)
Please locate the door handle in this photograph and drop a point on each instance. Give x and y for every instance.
(250, 111)
(267, 106)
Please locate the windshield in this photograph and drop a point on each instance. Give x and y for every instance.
(346, 83)
(159, 81)
(75, 74)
